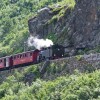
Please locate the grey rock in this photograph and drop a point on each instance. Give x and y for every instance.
(86, 23)
(79, 27)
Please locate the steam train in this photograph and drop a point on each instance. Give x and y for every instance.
(31, 57)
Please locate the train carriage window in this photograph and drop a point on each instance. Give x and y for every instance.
(20, 56)
(25, 55)
(17, 56)
(31, 54)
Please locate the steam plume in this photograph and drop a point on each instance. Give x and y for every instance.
(39, 43)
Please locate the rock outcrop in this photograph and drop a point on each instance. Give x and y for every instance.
(37, 24)
(85, 23)
(79, 27)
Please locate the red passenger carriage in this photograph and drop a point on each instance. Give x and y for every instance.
(19, 60)
(25, 58)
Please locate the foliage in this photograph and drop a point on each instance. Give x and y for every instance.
(78, 57)
(74, 87)
(60, 11)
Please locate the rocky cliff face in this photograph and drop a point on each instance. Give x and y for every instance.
(85, 23)
(79, 27)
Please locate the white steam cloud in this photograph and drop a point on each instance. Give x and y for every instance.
(39, 43)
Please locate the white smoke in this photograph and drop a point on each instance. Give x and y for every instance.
(39, 43)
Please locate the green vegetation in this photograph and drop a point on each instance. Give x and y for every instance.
(70, 87)
(61, 9)
(79, 57)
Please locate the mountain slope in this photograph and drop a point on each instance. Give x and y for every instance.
(73, 87)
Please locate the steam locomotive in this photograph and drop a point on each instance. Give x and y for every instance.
(32, 57)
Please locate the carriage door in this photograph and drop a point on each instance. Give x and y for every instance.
(7, 62)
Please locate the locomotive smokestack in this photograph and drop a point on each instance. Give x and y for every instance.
(39, 43)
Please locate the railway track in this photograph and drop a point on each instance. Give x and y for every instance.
(90, 57)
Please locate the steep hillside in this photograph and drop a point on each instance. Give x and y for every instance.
(69, 87)
(69, 24)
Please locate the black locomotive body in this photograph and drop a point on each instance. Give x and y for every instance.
(52, 52)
